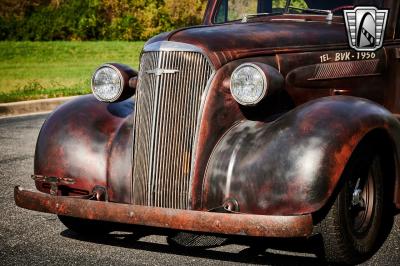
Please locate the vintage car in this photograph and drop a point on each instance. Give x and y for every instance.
(261, 122)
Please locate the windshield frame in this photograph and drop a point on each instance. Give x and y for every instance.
(286, 12)
(392, 5)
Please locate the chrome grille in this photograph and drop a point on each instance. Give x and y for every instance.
(171, 84)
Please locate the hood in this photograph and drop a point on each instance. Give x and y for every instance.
(227, 42)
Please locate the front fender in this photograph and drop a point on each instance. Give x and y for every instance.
(91, 142)
(292, 165)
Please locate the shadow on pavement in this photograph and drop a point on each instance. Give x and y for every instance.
(255, 251)
(265, 251)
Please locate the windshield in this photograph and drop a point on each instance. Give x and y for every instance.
(230, 10)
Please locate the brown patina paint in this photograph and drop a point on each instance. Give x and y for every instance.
(92, 141)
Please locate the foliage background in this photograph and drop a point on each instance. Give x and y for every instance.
(123, 20)
(48, 20)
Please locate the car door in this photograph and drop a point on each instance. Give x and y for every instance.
(392, 95)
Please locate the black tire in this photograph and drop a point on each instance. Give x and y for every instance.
(86, 227)
(353, 228)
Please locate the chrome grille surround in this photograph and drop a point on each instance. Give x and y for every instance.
(173, 82)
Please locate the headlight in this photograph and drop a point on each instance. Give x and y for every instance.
(110, 82)
(248, 84)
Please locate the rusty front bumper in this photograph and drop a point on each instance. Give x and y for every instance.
(198, 221)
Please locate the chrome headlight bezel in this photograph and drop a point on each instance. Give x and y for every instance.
(264, 86)
(121, 83)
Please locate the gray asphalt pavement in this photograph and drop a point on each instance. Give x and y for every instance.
(33, 238)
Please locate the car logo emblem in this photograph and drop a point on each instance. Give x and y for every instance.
(160, 71)
(366, 27)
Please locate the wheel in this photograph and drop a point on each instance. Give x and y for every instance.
(86, 227)
(353, 227)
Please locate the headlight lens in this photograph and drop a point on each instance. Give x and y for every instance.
(248, 84)
(107, 83)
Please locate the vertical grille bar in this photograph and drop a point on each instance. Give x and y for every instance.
(171, 84)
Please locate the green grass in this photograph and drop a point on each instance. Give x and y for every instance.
(37, 70)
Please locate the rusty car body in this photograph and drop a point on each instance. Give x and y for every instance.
(182, 153)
